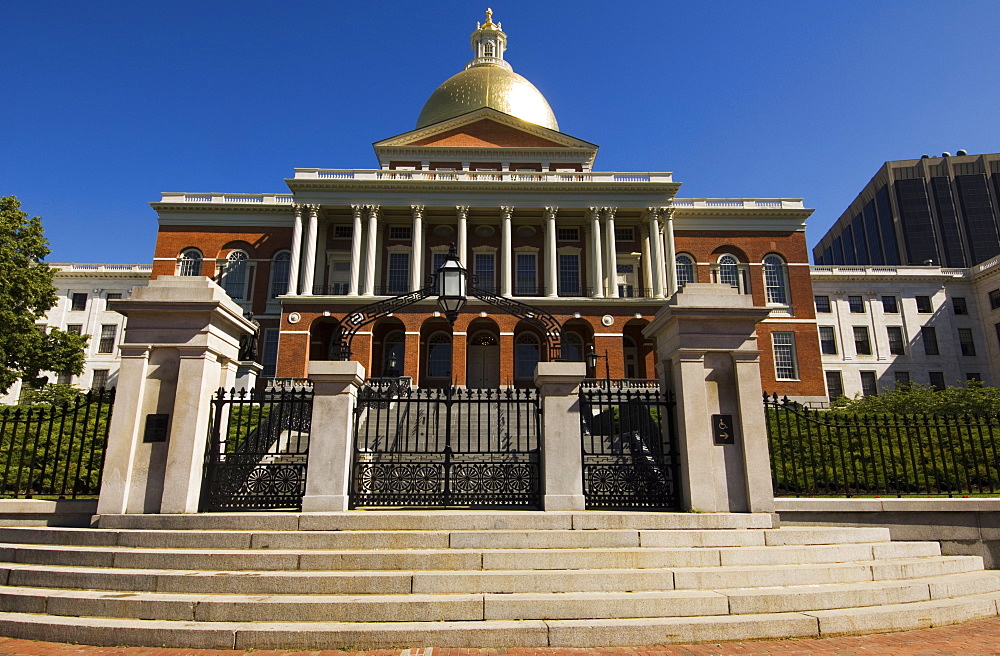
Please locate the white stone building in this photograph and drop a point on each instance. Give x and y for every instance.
(880, 326)
(84, 291)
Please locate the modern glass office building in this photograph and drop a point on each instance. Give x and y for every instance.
(942, 210)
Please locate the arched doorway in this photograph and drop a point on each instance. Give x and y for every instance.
(482, 369)
(389, 348)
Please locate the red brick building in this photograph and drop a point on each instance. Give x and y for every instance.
(488, 169)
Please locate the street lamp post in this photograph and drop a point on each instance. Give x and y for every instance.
(451, 285)
(592, 363)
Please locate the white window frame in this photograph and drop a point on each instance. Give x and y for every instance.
(689, 265)
(187, 264)
(775, 274)
(785, 357)
(271, 293)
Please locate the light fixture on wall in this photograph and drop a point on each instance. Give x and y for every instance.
(451, 285)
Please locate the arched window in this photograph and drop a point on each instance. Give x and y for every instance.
(525, 355)
(189, 263)
(234, 278)
(280, 266)
(393, 354)
(685, 270)
(489, 49)
(729, 270)
(439, 356)
(729, 273)
(775, 280)
(572, 347)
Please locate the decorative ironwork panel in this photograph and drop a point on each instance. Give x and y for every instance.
(454, 447)
(258, 449)
(630, 458)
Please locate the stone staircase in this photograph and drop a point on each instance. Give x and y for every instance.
(372, 579)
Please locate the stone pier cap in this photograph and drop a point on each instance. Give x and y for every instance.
(714, 315)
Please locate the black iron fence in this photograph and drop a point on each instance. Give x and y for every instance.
(451, 447)
(630, 457)
(258, 449)
(830, 453)
(55, 451)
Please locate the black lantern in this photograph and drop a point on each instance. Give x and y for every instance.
(451, 281)
(592, 363)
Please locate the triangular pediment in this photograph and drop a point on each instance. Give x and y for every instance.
(485, 128)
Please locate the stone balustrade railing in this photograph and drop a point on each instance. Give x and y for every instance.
(479, 176)
(249, 199)
(826, 270)
(98, 267)
(740, 203)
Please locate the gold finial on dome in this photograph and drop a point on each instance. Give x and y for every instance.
(488, 81)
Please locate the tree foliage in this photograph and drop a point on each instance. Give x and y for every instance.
(974, 399)
(26, 294)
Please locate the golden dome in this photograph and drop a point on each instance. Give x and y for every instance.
(487, 86)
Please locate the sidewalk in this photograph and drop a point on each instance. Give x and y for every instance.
(969, 639)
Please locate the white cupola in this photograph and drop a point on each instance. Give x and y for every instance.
(489, 43)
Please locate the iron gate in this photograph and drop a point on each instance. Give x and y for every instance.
(258, 449)
(630, 459)
(449, 447)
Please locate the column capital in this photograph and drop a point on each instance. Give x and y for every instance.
(594, 212)
(373, 211)
(506, 211)
(313, 210)
(418, 211)
(668, 213)
(357, 210)
(609, 212)
(550, 212)
(462, 211)
(297, 209)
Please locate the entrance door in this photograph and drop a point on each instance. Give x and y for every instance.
(482, 368)
(625, 279)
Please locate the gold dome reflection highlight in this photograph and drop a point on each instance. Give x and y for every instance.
(487, 86)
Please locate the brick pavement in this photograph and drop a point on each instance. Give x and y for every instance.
(972, 638)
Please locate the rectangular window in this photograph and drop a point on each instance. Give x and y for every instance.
(399, 273)
(834, 384)
(568, 234)
(902, 378)
(924, 305)
(100, 379)
(527, 280)
(77, 328)
(996, 327)
(897, 346)
(890, 305)
(995, 298)
(959, 306)
(269, 354)
(399, 232)
(107, 343)
(929, 335)
(624, 234)
(869, 383)
(485, 271)
(114, 296)
(78, 302)
(973, 376)
(857, 304)
(343, 231)
(827, 340)
(862, 344)
(785, 366)
(64, 379)
(966, 342)
(822, 303)
(569, 274)
(936, 379)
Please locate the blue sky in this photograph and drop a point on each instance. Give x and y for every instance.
(107, 104)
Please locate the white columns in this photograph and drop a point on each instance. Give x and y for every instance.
(596, 265)
(309, 266)
(670, 257)
(463, 234)
(612, 251)
(551, 255)
(352, 285)
(506, 257)
(657, 263)
(372, 236)
(417, 256)
(649, 264)
(293, 263)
